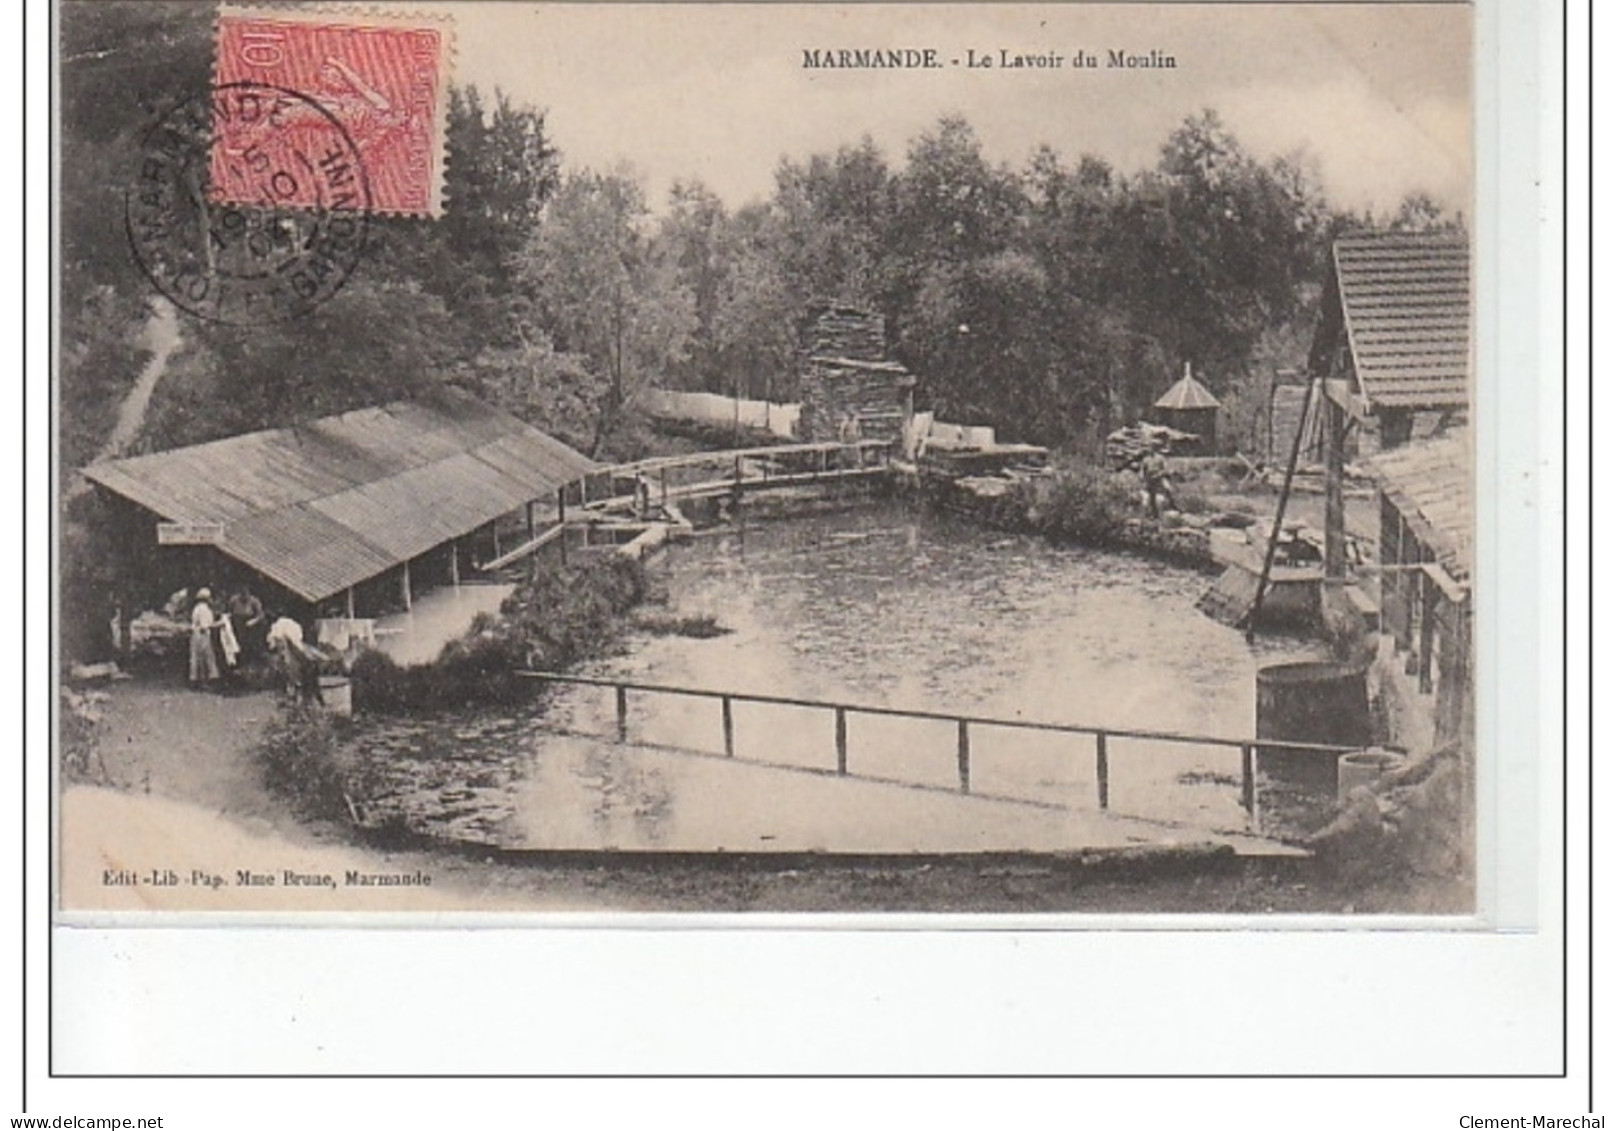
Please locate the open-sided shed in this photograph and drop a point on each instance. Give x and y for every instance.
(1427, 537)
(316, 512)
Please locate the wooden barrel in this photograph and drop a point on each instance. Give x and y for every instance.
(336, 692)
(1310, 702)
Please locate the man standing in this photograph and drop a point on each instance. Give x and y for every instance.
(204, 659)
(1156, 480)
(247, 620)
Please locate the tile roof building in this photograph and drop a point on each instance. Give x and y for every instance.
(1394, 340)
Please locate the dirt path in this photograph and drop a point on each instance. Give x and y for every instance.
(161, 335)
(184, 800)
(170, 741)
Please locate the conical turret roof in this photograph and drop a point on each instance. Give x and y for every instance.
(1188, 393)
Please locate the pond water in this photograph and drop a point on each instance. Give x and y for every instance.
(879, 605)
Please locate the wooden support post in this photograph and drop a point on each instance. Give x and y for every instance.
(1102, 769)
(454, 562)
(1427, 630)
(728, 727)
(560, 504)
(1334, 494)
(404, 589)
(1247, 781)
(841, 741)
(126, 620)
(1254, 612)
(964, 756)
(1407, 586)
(350, 603)
(622, 713)
(493, 528)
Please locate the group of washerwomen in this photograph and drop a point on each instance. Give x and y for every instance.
(227, 642)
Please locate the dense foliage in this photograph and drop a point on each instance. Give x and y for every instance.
(557, 618)
(1050, 300)
(301, 757)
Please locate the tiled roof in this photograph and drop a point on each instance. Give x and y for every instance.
(1432, 483)
(1406, 303)
(328, 504)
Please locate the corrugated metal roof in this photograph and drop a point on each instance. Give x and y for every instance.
(1406, 303)
(328, 504)
(1432, 483)
(1187, 393)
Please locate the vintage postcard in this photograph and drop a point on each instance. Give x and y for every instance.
(1010, 459)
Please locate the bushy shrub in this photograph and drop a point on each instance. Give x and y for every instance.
(1084, 504)
(300, 753)
(559, 617)
(79, 734)
(1191, 499)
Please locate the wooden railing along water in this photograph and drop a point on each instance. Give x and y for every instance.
(1249, 748)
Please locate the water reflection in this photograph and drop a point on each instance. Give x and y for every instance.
(889, 607)
(883, 606)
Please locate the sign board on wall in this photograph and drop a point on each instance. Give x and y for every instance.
(190, 533)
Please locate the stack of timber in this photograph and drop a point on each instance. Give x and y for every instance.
(978, 481)
(837, 390)
(844, 332)
(849, 388)
(1125, 447)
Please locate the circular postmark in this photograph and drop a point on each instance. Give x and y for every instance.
(251, 205)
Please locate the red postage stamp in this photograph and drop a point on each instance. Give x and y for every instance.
(375, 87)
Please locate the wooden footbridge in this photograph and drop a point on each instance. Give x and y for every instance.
(642, 497)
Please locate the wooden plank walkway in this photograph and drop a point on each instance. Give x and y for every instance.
(666, 479)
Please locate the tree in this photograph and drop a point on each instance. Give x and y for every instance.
(374, 341)
(833, 215)
(502, 169)
(1216, 248)
(604, 293)
(693, 237)
(950, 206)
(1421, 212)
(553, 391)
(121, 66)
(965, 301)
(753, 326)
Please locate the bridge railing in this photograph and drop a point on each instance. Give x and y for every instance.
(727, 456)
(1248, 747)
(776, 462)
